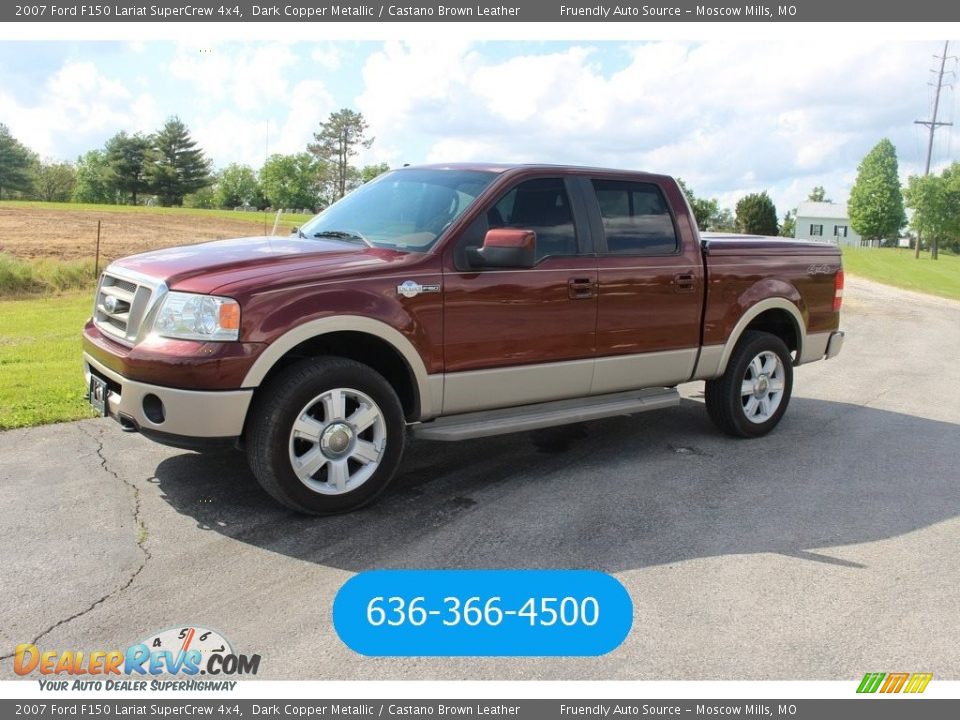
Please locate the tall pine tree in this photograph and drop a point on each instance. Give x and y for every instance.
(16, 164)
(127, 162)
(178, 167)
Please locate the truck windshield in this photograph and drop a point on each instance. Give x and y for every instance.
(401, 210)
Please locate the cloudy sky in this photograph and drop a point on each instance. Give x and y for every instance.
(729, 117)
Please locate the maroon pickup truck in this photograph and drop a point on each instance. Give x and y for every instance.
(452, 302)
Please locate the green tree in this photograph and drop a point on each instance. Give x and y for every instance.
(203, 198)
(177, 166)
(340, 138)
(236, 185)
(818, 194)
(789, 225)
(54, 181)
(93, 179)
(370, 172)
(292, 181)
(876, 203)
(16, 164)
(756, 215)
(724, 222)
(127, 161)
(706, 212)
(935, 200)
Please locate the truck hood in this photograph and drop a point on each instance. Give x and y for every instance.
(206, 267)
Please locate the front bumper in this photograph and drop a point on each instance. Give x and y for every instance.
(183, 418)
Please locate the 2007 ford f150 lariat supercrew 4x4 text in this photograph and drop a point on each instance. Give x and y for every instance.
(452, 302)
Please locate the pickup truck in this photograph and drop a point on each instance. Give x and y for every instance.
(448, 302)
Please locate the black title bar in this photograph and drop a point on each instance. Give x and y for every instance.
(318, 11)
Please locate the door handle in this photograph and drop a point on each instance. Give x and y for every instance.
(684, 283)
(580, 288)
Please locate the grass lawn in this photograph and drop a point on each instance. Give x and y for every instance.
(896, 266)
(41, 371)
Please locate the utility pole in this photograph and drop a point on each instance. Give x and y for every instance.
(932, 124)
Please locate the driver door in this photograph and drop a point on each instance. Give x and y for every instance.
(521, 336)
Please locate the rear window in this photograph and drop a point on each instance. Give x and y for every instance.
(636, 219)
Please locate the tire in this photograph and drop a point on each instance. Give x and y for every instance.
(761, 361)
(325, 436)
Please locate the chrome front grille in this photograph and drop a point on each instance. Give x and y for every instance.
(121, 306)
(124, 284)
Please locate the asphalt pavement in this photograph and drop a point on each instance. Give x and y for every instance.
(822, 551)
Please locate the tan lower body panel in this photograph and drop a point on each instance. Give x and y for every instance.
(629, 372)
(814, 347)
(511, 386)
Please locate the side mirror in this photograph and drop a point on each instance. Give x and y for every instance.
(506, 248)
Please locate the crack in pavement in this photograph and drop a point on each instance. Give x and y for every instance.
(141, 543)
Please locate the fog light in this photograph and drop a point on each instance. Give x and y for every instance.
(153, 408)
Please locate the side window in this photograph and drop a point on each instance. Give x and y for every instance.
(636, 219)
(540, 205)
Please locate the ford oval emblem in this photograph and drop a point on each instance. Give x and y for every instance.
(110, 304)
(409, 288)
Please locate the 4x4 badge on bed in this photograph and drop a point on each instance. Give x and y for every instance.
(411, 288)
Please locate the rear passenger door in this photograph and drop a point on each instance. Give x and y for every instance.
(650, 284)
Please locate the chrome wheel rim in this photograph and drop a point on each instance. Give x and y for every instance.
(761, 391)
(337, 441)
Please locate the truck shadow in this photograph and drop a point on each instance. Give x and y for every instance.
(614, 495)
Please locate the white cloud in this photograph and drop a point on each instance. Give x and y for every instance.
(77, 101)
(231, 136)
(328, 57)
(247, 76)
(309, 102)
(729, 117)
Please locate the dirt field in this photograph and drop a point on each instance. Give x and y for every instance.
(68, 234)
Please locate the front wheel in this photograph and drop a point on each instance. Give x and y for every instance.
(325, 436)
(752, 395)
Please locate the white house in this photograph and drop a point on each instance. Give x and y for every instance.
(825, 222)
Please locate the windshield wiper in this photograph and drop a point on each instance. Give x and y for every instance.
(345, 235)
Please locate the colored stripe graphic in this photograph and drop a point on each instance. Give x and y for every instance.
(894, 682)
(870, 682)
(918, 682)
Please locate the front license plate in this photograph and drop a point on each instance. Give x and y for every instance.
(98, 395)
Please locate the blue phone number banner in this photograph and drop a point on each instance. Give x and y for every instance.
(482, 613)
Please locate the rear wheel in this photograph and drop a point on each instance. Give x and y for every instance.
(754, 391)
(325, 436)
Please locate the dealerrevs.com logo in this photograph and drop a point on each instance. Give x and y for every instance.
(184, 652)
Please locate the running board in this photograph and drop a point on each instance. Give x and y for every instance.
(543, 415)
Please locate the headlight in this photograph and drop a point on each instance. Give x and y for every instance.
(186, 316)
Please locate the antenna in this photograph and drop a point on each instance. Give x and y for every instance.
(932, 124)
